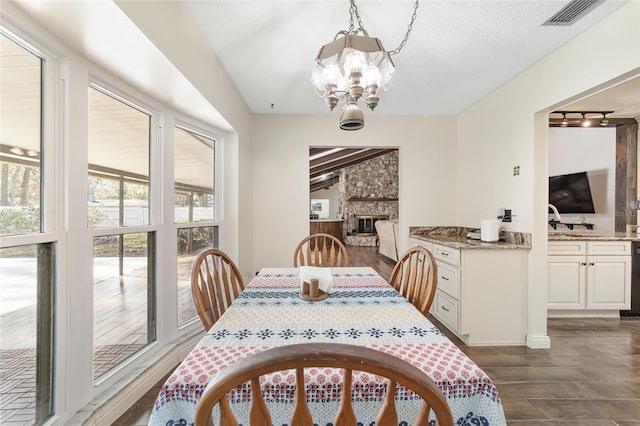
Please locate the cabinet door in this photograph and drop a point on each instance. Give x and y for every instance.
(609, 282)
(566, 282)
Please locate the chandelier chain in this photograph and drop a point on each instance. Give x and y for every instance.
(409, 28)
(353, 11)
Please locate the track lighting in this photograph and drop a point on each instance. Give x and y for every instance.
(585, 119)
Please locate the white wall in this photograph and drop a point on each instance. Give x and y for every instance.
(332, 194)
(579, 149)
(488, 147)
(281, 174)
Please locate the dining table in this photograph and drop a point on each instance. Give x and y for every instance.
(361, 309)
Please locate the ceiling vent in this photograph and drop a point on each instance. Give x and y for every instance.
(573, 11)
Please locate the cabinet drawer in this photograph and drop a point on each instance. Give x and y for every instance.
(609, 247)
(567, 247)
(447, 311)
(426, 244)
(446, 254)
(449, 280)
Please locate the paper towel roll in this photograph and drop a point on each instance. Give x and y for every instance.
(490, 230)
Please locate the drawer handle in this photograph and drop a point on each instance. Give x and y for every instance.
(591, 263)
(444, 278)
(444, 309)
(584, 263)
(444, 253)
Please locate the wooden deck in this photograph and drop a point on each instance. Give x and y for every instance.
(120, 330)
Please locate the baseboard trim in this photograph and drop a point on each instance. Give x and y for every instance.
(583, 314)
(538, 342)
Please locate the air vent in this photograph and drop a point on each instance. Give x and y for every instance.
(573, 11)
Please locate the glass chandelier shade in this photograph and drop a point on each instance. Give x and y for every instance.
(351, 67)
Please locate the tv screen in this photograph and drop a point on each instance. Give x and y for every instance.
(571, 193)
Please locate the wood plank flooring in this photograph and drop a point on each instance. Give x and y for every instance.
(590, 376)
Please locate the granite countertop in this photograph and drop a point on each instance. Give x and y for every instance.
(594, 235)
(455, 237)
(326, 220)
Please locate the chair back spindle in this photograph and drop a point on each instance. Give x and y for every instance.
(320, 250)
(215, 283)
(415, 277)
(333, 355)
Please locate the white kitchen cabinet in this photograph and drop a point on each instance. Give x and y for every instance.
(589, 278)
(481, 293)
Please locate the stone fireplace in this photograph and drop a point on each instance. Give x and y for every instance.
(368, 193)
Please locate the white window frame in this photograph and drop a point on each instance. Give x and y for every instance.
(52, 213)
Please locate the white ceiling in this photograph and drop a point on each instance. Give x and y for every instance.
(458, 51)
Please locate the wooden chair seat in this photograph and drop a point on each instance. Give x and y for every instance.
(334, 355)
(415, 277)
(320, 250)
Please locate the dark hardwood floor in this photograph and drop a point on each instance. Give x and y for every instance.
(590, 376)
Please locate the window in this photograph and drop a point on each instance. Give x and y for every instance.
(20, 139)
(118, 201)
(194, 177)
(123, 274)
(194, 207)
(27, 264)
(81, 214)
(119, 138)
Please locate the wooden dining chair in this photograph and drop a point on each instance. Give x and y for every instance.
(320, 250)
(332, 355)
(415, 277)
(215, 283)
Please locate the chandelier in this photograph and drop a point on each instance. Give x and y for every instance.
(354, 66)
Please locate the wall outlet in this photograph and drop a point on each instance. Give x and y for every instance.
(507, 215)
(516, 170)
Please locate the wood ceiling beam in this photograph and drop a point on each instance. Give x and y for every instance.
(321, 185)
(346, 161)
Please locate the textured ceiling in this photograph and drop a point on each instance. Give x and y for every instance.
(458, 51)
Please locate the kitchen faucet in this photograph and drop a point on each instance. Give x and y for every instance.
(556, 215)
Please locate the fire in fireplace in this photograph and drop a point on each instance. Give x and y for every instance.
(365, 225)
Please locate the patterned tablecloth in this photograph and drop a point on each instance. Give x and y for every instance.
(363, 310)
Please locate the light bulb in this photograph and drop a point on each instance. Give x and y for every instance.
(585, 121)
(356, 62)
(331, 75)
(371, 77)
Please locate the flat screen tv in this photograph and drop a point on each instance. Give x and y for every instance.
(571, 193)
